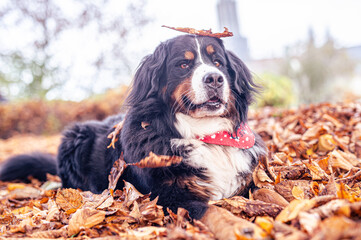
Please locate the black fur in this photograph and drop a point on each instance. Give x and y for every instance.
(21, 166)
(84, 161)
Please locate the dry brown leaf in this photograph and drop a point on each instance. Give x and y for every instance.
(263, 177)
(53, 211)
(209, 33)
(298, 193)
(84, 218)
(114, 135)
(326, 143)
(309, 221)
(156, 161)
(246, 208)
(285, 187)
(331, 188)
(269, 196)
(314, 132)
(338, 227)
(151, 212)
(69, 200)
(131, 193)
(330, 208)
(294, 208)
(316, 172)
(266, 223)
(22, 210)
(24, 193)
(338, 161)
(115, 173)
(48, 234)
(284, 231)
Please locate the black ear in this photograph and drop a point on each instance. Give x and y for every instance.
(147, 79)
(242, 84)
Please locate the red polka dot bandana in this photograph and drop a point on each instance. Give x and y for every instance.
(243, 138)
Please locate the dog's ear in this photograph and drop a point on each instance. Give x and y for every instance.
(148, 77)
(242, 84)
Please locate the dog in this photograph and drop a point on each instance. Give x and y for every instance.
(191, 92)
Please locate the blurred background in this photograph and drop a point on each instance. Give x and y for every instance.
(71, 60)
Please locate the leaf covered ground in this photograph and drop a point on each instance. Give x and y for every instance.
(309, 188)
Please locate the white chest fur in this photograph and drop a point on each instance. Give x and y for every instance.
(224, 165)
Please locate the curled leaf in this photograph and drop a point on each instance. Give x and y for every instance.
(208, 33)
(156, 161)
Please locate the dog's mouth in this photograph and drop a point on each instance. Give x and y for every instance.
(212, 104)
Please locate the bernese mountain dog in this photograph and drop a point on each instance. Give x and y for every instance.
(193, 95)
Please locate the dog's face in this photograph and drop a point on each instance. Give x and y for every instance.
(197, 76)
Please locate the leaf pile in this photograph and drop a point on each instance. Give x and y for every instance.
(309, 187)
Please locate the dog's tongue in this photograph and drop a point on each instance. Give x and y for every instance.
(243, 138)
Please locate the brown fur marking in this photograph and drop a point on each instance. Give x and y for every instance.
(190, 183)
(188, 55)
(183, 89)
(210, 49)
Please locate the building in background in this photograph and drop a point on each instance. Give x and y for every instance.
(228, 17)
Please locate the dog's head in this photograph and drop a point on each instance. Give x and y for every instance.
(195, 75)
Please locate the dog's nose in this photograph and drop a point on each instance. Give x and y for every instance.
(213, 80)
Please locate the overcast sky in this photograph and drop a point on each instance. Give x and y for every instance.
(269, 26)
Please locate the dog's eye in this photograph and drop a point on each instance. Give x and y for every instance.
(184, 65)
(217, 63)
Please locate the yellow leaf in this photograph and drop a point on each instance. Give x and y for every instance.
(298, 193)
(316, 172)
(262, 176)
(294, 208)
(326, 143)
(21, 210)
(266, 223)
(13, 186)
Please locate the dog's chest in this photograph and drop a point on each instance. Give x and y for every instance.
(225, 167)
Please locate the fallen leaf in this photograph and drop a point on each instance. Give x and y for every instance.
(309, 221)
(298, 193)
(326, 143)
(156, 161)
(69, 200)
(115, 173)
(246, 208)
(316, 172)
(24, 193)
(294, 208)
(84, 218)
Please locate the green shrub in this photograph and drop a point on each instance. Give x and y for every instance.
(277, 91)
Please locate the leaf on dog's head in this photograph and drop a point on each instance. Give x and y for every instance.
(156, 161)
(208, 33)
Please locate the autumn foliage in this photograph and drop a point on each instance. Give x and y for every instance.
(309, 187)
(43, 117)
